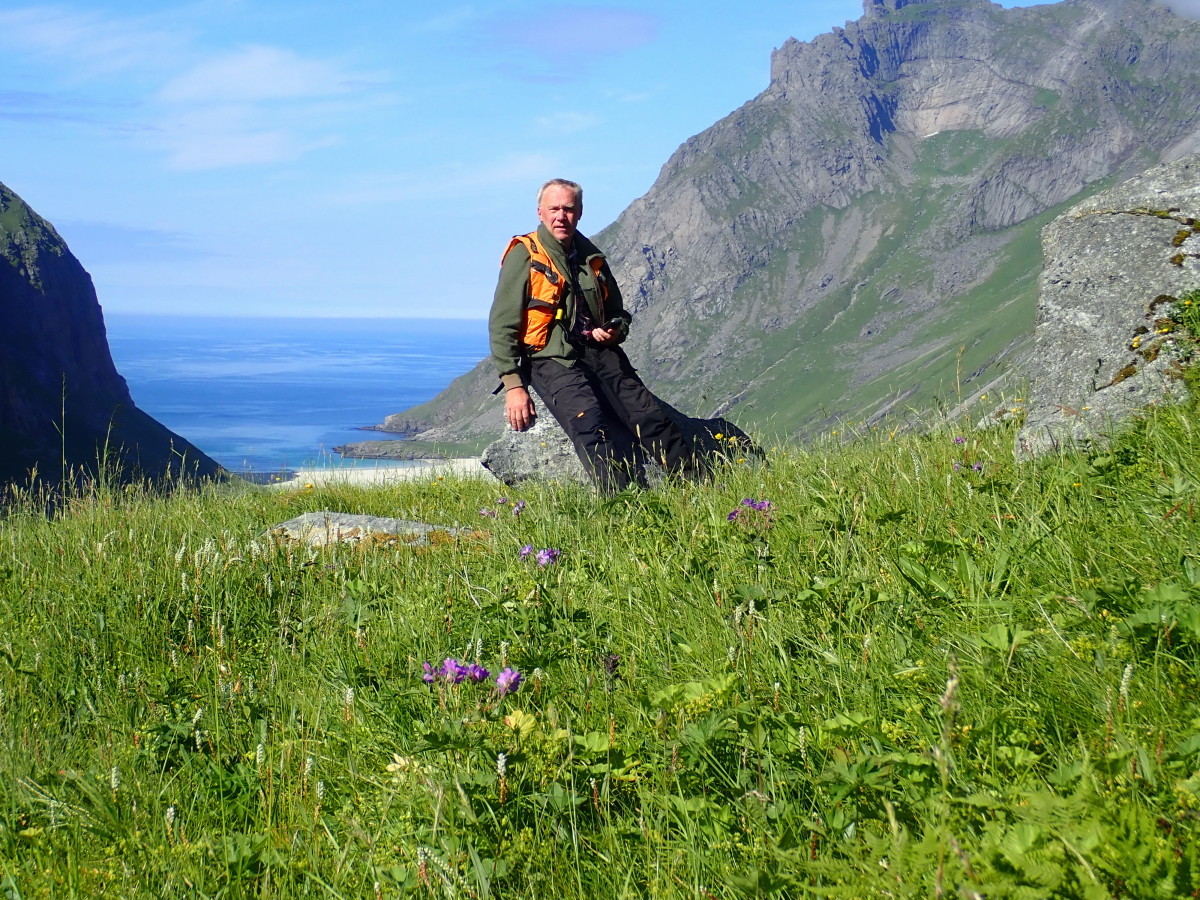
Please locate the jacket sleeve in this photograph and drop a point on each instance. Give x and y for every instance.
(506, 319)
(614, 306)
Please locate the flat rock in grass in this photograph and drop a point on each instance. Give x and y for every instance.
(323, 528)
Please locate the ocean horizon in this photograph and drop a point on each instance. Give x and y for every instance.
(262, 395)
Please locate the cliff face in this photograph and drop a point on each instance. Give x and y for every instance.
(1116, 267)
(62, 402)
(862, 237)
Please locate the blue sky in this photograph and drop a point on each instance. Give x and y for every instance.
(364, 158)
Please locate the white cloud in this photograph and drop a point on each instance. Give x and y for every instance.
(256, 73)
(221, 136)
(199, 108)
(258, 105)
(88, 43)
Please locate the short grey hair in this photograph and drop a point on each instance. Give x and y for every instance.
(563, 183)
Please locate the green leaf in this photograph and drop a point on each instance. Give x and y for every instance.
(846, 724)
(929, 584)
(760, 883)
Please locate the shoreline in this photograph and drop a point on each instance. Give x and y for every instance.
(464, 467)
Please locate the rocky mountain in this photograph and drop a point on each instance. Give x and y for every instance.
(63, 405)
(863, 236)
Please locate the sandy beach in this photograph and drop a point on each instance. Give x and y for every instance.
(376, 475)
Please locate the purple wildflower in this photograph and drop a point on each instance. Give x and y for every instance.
(518, 507)
(755, 515)
(546, 556)
(960, 440)
(957, 467)
(978, 467)
(525, 551)
(453, 671)
(488, 513)
(429, 675)
(508, 681)
(477, 673)
(500, 501)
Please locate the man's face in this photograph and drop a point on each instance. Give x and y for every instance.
(559, 211)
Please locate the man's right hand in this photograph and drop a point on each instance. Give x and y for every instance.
(519, 409)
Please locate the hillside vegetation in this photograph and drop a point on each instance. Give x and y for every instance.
(904, 666)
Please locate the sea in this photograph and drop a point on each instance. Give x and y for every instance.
(266, 396)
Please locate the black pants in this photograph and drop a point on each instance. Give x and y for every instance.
(609, 415)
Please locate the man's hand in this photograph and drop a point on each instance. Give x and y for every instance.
(605, 337)
(519, 409)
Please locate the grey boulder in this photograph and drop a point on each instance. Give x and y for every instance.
(545, 452)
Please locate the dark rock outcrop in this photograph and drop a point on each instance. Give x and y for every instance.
(863, 231)
(1115, 266)
(63, 406)
(544, 452)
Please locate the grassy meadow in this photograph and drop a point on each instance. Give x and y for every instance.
(900, 667)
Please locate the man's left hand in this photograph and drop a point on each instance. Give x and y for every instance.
(604, 337)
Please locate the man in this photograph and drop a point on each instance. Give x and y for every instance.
(556, 324)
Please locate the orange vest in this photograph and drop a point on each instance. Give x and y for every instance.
(547, 287)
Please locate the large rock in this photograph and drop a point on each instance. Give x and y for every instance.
(63, 406)
(545, 452)
(1112, 266)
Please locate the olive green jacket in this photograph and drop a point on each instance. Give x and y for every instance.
(506, 322)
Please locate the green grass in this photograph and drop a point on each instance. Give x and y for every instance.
(927, 670)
